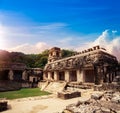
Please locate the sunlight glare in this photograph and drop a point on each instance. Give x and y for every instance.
(2, 41)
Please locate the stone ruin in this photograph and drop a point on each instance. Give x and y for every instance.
(68, 94)
(14, 76)
(94, 65)
(100, 102)
(3, 105)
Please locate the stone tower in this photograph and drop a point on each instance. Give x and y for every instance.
(54, 54)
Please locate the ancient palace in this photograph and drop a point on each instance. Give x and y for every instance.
(94, 65)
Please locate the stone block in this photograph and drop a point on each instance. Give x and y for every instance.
(97, 95)
(116, 99)
(105, 110)
(3, 106)
(68, 95)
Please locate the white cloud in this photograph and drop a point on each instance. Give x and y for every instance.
(18, 35)
(111, 45)
(102, 40)
(50, 26)
(114, 31)
(2, 37)
(30, 30)
(29, 38)
(66, 40)
(31, 49)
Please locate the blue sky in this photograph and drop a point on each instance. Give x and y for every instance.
(26, 25)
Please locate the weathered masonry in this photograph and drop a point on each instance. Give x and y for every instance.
(11, 71)
(19, 72)
(94, 65)
(16, 75)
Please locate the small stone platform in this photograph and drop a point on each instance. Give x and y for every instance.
(68, 94)
(3, 105)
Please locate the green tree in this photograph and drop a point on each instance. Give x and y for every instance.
(31, 60)
(41, 59)
(67, 53)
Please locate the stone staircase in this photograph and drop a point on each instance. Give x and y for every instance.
(52, 87)
(77, 86)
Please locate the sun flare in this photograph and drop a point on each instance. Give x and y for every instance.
(2, 45)
(2, 41)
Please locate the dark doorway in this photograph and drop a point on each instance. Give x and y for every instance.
(4, 75)
(89, 76)
(73, 75)
(34, 80)
(46, 75)
(17, 75)
(61, 75)
(52, 76)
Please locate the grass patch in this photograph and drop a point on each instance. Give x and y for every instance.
(22, 93)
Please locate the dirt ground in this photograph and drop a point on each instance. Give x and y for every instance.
(45, 104)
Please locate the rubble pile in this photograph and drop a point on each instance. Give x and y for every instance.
(100, 102)
(108, 86)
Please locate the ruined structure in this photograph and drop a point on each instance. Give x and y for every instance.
(16, 75)
(93, 65)
(11, 71)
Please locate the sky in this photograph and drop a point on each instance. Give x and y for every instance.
(31, 26)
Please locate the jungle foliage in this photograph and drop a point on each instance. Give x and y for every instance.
(31, 60)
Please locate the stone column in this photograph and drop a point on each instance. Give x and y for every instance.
(114, 75)
(49, 75)
(56, 76)
(110, 77)
(67, 76)
(10, 75)
(24, 75)
(96, 75)
(44, 76)
(80, 75)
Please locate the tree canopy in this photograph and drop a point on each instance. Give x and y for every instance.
(31, 60)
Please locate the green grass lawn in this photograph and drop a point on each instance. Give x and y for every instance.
(22, 93)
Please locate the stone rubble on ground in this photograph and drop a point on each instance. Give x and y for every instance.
(100, 102)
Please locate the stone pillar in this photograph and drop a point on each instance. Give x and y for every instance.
(56, 76)
(110, 77)
(49, 75)
(45, 77)
(80, 75)
(67, 76)
(10, 75)
(99, 74)
(24, 75)
(96, 75)
(114, 75)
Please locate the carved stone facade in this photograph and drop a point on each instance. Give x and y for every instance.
(94, 65)
(54, 54)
